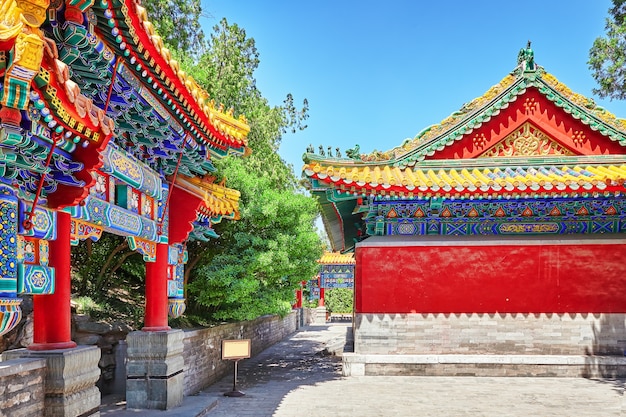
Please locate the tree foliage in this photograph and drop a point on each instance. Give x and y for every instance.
(264, 256)
(607, 57)
(258, 261)
(339, 300)
(177, 22)
(111, 275)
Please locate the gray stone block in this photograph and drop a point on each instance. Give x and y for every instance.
(155, 394)
(70, 379)
(155, 369)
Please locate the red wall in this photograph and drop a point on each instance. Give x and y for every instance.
(525, 278)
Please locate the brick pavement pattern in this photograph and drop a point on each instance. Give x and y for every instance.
(300, 377)
(294, 378)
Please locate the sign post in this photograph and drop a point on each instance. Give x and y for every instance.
(235, 350)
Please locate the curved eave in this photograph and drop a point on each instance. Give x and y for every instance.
(340, 220)
(217, 201)
(149, 59)
(337, 258)
(572, 176)
(92, 127)
(75, 127)
(333, 224)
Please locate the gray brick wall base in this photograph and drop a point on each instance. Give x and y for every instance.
(497, 344)
(491, 334)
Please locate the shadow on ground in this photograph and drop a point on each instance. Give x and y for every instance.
(308, 357)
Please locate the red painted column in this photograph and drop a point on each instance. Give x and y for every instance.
(298, 298)
(156, 292)
(321, 302)
(52, 312)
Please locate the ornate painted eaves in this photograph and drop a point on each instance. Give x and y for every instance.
(206, 203)
(528, 142)
(124, 25)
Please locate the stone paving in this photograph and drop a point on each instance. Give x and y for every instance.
(301, 377)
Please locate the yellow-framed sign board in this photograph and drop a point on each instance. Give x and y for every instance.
(235, 349)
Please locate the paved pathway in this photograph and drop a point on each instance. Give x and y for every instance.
(297, 377)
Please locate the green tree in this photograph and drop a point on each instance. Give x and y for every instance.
(111, 275)
(607, 57)
(264, 256)
(258, 261)
(339, 300)
(177, 22)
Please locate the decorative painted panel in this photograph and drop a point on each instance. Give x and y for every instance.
(44, 252)
(172, 288)
(144, 247)
(149, 230)
(337, 276)
(497, 217)
(118, 164)
(134, 200)
(101, 187)
(8, 244)
(147, 206)
(174, 254)
(44, 222)
(35, 279)
(179, 276)
(28, 250)
(111, 218)
(82, 230)
(176, 270)
(124, 220)
(526, 141)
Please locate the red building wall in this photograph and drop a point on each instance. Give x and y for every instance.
(507, 276)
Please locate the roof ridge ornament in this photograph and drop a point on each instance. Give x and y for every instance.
(526, 59)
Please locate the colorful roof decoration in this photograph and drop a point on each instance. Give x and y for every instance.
(337, 258)
(529, 137)
(219, 201)
(124, 25)
(473, 179)
(96, 72)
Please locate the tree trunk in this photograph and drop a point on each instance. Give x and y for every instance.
(109, 260)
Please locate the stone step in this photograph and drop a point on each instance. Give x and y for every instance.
(485, 365)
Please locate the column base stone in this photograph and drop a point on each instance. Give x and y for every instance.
(71, 376)
(320, 315)
(154, 372)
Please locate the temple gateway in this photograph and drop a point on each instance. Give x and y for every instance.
(101, 131)
(492, 243)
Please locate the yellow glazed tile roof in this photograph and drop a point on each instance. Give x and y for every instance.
(218, 200)
(424, 179)
(336, 258)
(233, 128)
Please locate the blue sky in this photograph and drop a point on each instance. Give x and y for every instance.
(375, 73)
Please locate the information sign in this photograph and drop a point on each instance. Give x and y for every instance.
(235, 349)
